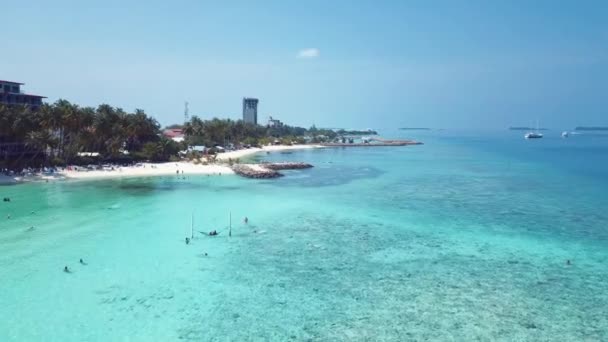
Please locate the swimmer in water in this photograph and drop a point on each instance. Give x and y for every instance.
(66, 270)
(82, 261)
(187, 241)
(246, 220)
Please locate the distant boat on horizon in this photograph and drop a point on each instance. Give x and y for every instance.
(592, 128)
(534, 135)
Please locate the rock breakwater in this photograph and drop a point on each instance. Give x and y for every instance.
(266, 170)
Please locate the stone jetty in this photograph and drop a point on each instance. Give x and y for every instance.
(254, 171)
(286, 166)
(266, 170)
(377, 143)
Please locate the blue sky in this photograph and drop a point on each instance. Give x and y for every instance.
(355, 64)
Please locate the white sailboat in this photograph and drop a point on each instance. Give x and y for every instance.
(534, 135)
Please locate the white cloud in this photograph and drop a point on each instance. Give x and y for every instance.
(309, 53)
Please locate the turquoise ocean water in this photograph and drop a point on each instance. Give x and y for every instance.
(464, 238)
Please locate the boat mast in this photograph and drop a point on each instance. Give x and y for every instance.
(192, 226)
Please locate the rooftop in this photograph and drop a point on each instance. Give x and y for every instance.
(31, 95)
(22, 94)
(173, 132)
(11, 82)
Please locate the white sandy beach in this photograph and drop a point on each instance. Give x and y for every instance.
(156, 169)
(272, 148)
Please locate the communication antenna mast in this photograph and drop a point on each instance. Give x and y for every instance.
(186, 115)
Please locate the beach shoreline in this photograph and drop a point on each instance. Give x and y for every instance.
(154, 169)
(272, 148)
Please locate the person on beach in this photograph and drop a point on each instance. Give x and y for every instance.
(187, 241)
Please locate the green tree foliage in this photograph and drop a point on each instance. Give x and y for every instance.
(225, 131)
(61, 130)
(175, 126)
(57, 132)
(356, 132)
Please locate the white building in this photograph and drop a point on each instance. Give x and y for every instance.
(274, 122)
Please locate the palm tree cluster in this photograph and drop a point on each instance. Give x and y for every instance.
(54, 134)
(60, 133)
(226, 131)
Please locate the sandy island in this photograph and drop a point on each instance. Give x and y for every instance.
(155, 169)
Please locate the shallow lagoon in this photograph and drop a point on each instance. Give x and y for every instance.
(463, 238)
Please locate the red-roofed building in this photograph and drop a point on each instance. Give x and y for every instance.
(176, 134)
(10, 94)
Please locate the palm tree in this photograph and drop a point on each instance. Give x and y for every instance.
(40, 141)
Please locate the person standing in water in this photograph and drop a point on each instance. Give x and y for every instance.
(246, 220)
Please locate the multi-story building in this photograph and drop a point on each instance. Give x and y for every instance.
(250, 110)
(10, 94)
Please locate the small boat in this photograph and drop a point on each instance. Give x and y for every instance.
(534, 135)
(564, 134)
